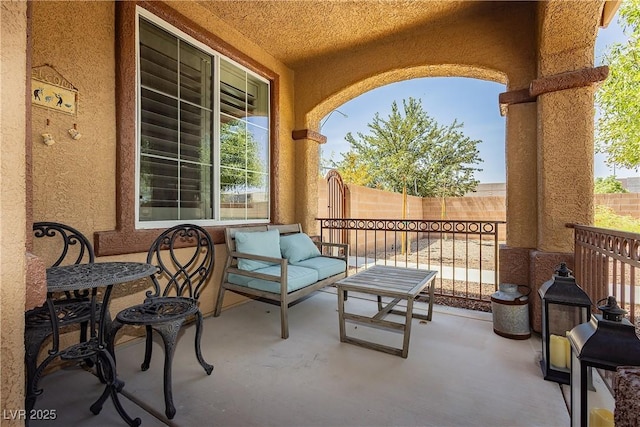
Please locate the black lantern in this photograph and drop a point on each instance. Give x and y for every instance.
(598, 347)
(564, 305)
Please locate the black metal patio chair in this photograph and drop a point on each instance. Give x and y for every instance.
(64, 246)
(184, 257)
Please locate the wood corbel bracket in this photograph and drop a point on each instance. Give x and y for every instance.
(308, 134)
(562, 81)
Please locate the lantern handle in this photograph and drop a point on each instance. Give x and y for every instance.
(611, 310)
(562, 270)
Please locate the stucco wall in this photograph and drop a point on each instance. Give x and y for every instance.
(13, 45)
(496, 44)
(74, 181)
(371, 203)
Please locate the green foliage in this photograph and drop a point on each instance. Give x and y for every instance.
(618, 127)
(240, 157)
(608, 185)
(353, 170)
(411, 149)
(605, 217)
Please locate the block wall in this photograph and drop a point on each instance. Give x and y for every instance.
(365, 202)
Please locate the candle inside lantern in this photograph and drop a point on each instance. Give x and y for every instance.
(557, 351)
(600, 417)
(568, 351)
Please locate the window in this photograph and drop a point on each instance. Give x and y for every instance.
(203, 128)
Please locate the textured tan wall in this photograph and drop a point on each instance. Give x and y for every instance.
(564, 44)
(85, 57)
(565, 166)
(565, 122)
(13, 47)
(495, 45)
(74, 180)
(521, 173)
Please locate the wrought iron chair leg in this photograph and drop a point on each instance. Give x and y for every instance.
(33, 342)
(147, 349)
(33, 391)
(111, 390)
(207, 368)
(169, 334)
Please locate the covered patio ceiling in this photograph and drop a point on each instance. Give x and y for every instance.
(298, 31)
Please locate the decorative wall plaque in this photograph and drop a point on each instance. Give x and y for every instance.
(50, 90)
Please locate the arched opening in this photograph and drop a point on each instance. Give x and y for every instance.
(471, 102)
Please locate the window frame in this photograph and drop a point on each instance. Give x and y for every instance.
(125, 238)
(216, 56)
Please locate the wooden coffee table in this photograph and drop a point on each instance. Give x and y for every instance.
(398, 283)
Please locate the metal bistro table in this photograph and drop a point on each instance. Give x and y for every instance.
(93, 276)
(399, 283)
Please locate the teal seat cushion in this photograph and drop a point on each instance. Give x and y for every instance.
(325, 266)
(237, 279)
(297, 278)
(265, 243)
(298, 247)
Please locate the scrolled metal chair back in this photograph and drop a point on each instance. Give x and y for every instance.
(70, 245)
(184, 257)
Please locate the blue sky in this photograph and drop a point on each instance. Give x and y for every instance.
(470, 101)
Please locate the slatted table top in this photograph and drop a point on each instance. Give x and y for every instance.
(388, 281)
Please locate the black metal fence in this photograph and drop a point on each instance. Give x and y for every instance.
(465, 253)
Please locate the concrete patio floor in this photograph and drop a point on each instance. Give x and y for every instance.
(458, 373)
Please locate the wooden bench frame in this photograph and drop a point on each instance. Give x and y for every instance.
(284, 299)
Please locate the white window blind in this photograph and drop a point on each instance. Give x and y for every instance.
(178, 162)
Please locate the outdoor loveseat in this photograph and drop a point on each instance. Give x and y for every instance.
(279, 264)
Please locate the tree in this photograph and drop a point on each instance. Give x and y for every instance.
(353, 170)
(411, 150)
(608, 185)
(618, 127)
(241, 166)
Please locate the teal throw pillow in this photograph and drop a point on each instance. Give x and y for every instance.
(265, 243)
(298, 247)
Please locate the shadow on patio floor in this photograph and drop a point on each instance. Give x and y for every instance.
(458, 373)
